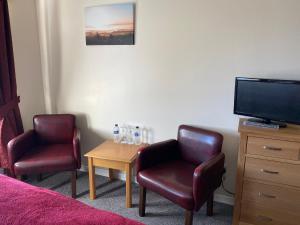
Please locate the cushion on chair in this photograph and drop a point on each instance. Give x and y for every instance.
(48, 158)
(173, 180)
(54, 129)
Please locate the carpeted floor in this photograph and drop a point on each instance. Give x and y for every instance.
(111, 197)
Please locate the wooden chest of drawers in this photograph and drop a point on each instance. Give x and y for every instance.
(268, 177)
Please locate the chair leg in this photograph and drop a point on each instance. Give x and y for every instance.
(24, 177)
(210, 205)
(188, 217)
(39, 177)
(10, 174)
(6, 171)
(142, 203)
(73, 183)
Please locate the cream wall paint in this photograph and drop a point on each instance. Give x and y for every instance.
(181, 69)
(27, 59)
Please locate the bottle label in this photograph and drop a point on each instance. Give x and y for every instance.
(116, 132)
(136, 134)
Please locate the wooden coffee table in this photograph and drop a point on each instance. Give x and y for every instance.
(113, 156)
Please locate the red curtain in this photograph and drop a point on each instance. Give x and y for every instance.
(10, 117)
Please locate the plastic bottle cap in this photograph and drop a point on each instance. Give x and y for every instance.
(116, 125)
(136, 127)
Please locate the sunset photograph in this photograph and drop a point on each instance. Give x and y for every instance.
(110, 24)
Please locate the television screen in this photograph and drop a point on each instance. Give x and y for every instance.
(277, 100)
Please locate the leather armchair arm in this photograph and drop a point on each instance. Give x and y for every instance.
(76, 147)
(155, 154)
(207, 178)
(19, 145)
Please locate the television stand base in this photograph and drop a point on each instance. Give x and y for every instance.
(264, 123)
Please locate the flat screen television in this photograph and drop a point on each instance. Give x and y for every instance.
(268, 99)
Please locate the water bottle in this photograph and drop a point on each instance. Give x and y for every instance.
(123, 134)
(137, 136)
(150, 136)
(144, 135)
(130, 135)
(116, 133)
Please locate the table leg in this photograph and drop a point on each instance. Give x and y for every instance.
(128, 185)
(110, 174)
(92, 179)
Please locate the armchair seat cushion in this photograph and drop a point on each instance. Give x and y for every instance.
(173, 180)
(46, 158)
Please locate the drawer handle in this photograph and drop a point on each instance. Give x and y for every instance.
(264, 218)
(269, 171)
(272, 148)
(261, 194)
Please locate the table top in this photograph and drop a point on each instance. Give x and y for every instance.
(290, 132)
(115, 151)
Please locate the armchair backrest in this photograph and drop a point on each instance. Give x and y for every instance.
(54, 129)
(198, 145)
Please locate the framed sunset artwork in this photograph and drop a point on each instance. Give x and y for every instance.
(110, 24)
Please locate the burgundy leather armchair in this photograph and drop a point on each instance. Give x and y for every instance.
(186, 171)
(52, 146)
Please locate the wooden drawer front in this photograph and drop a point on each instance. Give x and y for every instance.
(273, 148)
(278, 172)
(269, 196)
(257, 215)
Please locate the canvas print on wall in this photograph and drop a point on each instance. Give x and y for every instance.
(110, 24)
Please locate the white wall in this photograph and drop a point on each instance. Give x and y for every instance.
(27, 59)
(181, 69)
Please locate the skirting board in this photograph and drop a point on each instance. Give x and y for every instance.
(121, 176)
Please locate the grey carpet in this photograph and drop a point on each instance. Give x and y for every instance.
(111, 197)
